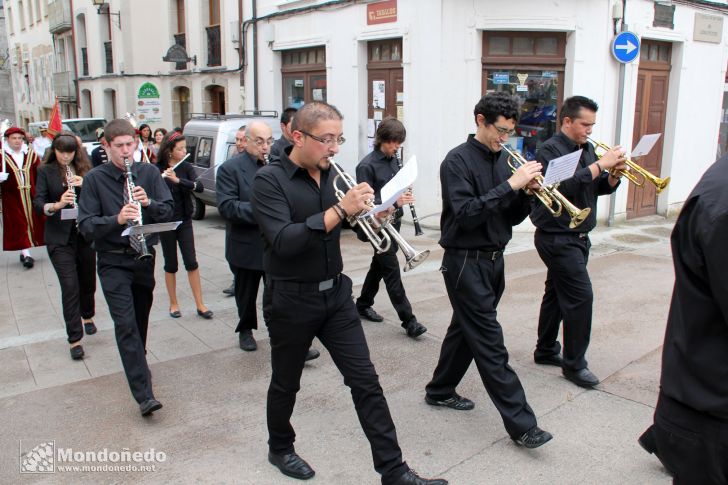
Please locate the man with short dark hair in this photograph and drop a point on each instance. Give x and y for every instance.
(376, 169)
(564, 250)
(300, 218)
(98, 154)
(127, 278)
(285, 140)
(481, 202)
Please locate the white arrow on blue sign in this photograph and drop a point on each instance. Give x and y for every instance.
(626, 47)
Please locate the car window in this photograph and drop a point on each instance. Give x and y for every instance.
(204, 150)
(191, 147)
(86, 129)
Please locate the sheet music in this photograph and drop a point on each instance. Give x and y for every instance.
(151, 228)
(395, 187)
(561, 168)
(67, 214)
(644, 146)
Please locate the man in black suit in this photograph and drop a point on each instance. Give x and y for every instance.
(243, 243)
(284, 141)
(99, 155)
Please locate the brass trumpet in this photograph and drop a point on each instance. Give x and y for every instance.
(380, 234)
(548, 195)
(638, 180)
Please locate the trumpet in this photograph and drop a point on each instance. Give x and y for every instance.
(549, 195)
(642, 174)
(415, 220)
(379, 233)
(69, 183)
(138, 241)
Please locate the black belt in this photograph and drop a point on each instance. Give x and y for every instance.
(121, 251)
(580, 235)
(479, 253)
(302, 287)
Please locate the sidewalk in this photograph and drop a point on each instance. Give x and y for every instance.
(212, 428)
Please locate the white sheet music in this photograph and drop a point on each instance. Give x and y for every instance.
(395, 187)
(644, 146)
(561, 168)
(151, 228)
(69, 214)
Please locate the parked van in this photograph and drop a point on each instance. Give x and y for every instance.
(211, 141)
(83, 127)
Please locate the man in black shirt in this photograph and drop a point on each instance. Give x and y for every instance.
(297, 210)
(127, 281)
(98, 154)
(285, 140)
(690, 433)
(568, 295)
(481, 202)
(376, 169)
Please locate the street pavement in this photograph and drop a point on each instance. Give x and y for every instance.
(212, 427)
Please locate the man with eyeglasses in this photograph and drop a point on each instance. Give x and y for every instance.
(240, 143)
(376, 169)
(481, 202)
(295, 204)
(568, 295)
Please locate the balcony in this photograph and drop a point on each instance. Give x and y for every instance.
(63, 85)
(59, 16)
(213, 46)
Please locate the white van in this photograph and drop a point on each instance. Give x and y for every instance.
(211, 140)
(83, 127)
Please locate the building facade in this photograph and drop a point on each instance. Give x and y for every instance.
(7, 102)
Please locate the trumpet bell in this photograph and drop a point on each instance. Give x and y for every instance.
(415, 260)
(579, 217)
(660, 184)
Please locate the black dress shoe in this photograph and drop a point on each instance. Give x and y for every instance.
(455, 401)
(149, 406)
(207, 314)
(292, 465)
(230, 290)
(312, 354)
(554, 359)
(28, 262)
(582, 377)
(370, 314)
(412, 478)
(533, 438)
(414, 328)
(77, 352)
(89, 328)
(246, 340)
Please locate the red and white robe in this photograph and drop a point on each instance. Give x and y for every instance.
(22, 226)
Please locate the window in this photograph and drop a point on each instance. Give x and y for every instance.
(21, 15)
(304, 76)
(10, 24)
(191, 147)
(204, 150)
(37, 11)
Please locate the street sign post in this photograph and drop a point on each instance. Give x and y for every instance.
(626, 47)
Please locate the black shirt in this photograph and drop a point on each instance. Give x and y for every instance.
(99, 156)
(289, 207)
(279, 147)
(479, 207)
(581, 189)
(183, 208)
(377, 169)
(103, 198)
(695, 353)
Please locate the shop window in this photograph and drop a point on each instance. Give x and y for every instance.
(304, 76)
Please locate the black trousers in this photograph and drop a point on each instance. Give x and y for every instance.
(691, 445)
(474, 285)
(128, 286)
(568, 297)
(185, 238)
(296, 317)
(75, 265)
(247, 282)
(385, 266)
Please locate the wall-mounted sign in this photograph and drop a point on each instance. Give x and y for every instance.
(664, 15)
(708, 28)
(500, 78)
(149, 106)
(382, 12)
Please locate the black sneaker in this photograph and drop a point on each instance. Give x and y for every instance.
(533, 438)
(456, 401)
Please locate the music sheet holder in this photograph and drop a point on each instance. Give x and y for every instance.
(151, 228)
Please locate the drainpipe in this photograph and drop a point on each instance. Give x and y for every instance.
(620, 114)
(75, 60)
(255, 55)
(240, 42)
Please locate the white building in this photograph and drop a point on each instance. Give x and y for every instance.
(435, 58)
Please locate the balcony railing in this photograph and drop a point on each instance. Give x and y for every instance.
(109, 57)
(84, 61)
(59, 16)
(63, 85)
(180, 40)
(213, 45)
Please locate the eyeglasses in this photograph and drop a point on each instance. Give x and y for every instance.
(259, 142)
(330, 142)
(504, 131)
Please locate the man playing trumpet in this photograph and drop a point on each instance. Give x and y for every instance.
(565, 251)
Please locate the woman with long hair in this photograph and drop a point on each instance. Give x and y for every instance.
(59, 183)
(146, 141)
(158, 137)
(181, 180)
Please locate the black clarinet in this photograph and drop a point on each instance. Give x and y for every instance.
(415, 220)
(137, 241)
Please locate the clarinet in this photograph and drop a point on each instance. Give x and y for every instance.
(415, 220)
(141, 238)
(69, 183)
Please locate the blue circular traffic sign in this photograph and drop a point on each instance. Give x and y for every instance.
(626, 47)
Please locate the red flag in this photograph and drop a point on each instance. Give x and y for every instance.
(54, 125)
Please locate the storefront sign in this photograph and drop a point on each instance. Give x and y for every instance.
(708, 28)
(500, 78)
(382, 12)
(149, 106)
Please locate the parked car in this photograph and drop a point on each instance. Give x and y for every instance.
(83, 127)
(211, 141)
